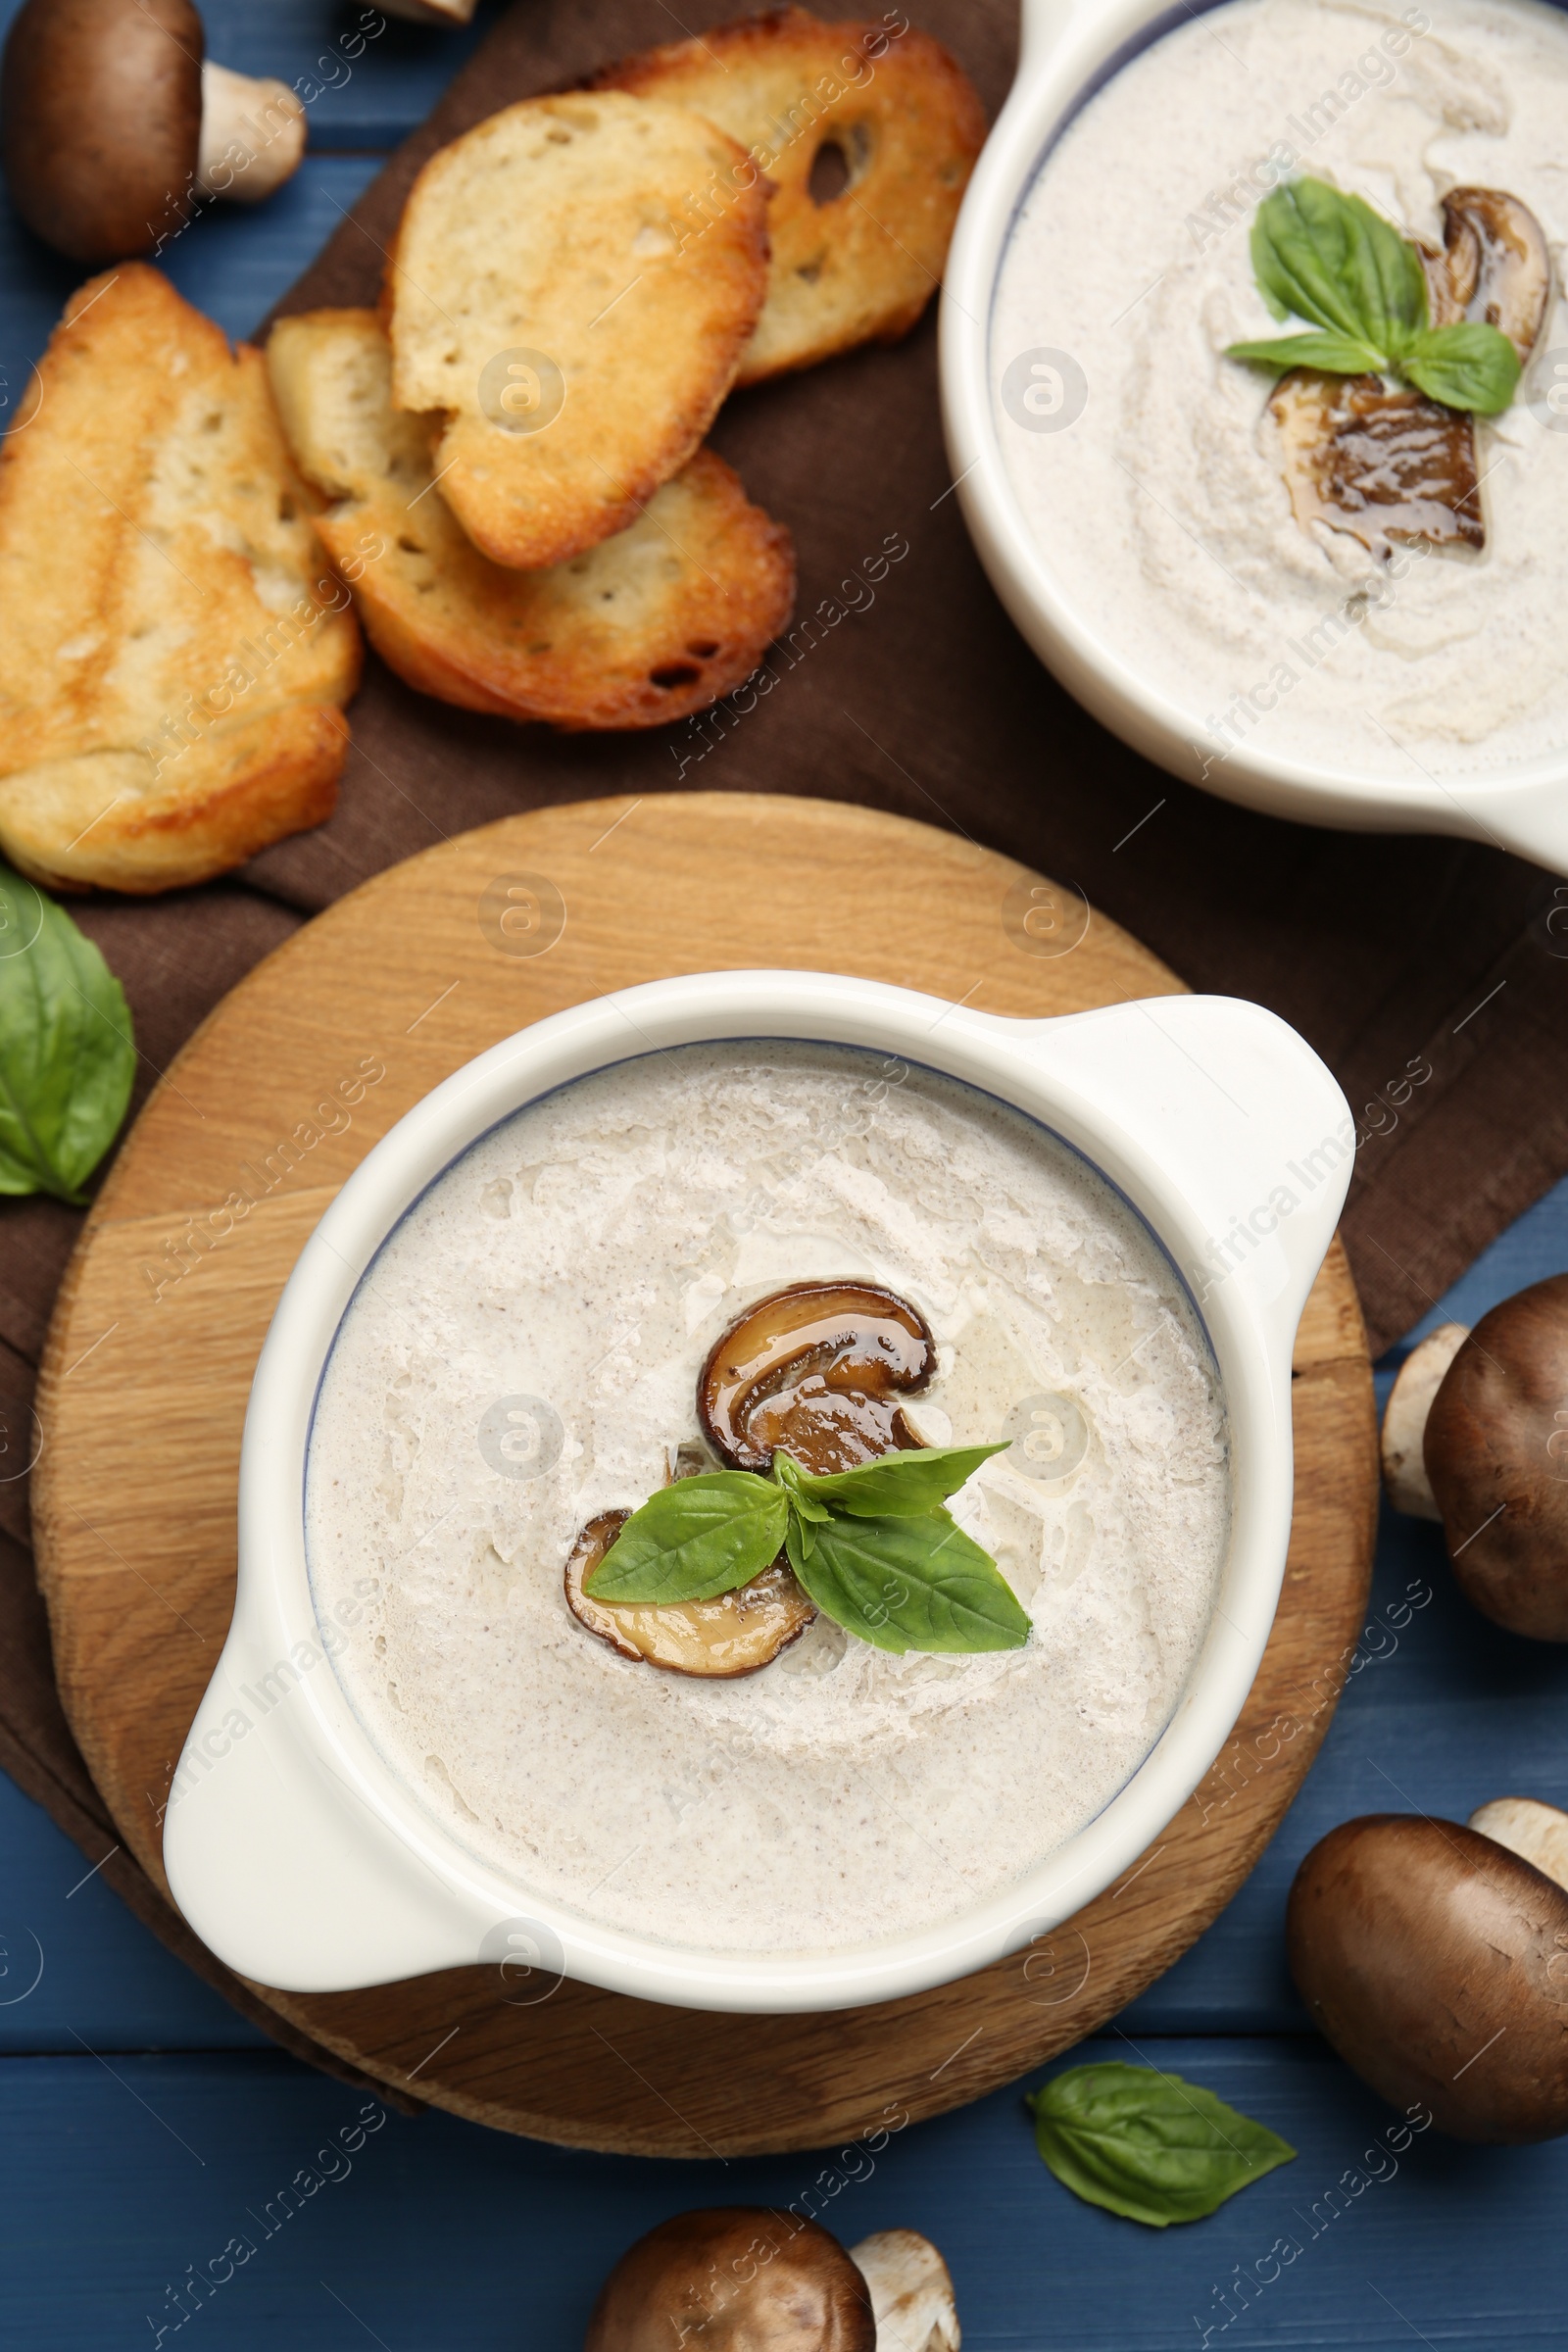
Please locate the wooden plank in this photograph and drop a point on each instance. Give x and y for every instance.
(433, 2235)
(74, 1960)
(193, 1235)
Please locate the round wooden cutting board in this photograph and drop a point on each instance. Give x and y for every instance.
(168, 1298)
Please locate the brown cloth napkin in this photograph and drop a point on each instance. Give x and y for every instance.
(1394, 955)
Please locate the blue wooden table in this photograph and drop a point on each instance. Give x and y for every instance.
(143, 2126)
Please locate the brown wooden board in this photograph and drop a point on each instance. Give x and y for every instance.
(168, 1298)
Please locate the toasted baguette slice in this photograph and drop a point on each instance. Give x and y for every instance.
(644, 628)
(573, 284)
(906, 126)
(173, 651)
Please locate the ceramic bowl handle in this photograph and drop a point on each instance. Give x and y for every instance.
(1530, 819)
(277, 1862)
(1225, 1101)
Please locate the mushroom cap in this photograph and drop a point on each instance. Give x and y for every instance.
(1496, 1451)
(100, 122)
(734, 2278)
(1499, 264)
(737, 1633)
(817, 1369)
(1435, 1962)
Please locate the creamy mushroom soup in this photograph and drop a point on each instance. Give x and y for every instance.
(1153, 468)
(523, 1354)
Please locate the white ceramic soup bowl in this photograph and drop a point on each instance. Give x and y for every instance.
(1070, 48)
(305, 1862)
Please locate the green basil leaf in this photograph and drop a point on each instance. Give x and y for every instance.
(1391, 284)
(694, 1540)
(895, 1486)
(1300, 259)
(1147, 2145)
(68, 1054)
(1468, 365)
(907, 1583)
(1330, 259)
(793, 1479)
(1336, 355)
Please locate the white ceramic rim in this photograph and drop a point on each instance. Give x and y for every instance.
(1071, 47)
(380, 1890)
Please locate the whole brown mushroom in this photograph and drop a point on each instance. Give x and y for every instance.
(113, 124)
(1433, 1958)
(734, 2278)
(1490, 1435)
(745, 2279)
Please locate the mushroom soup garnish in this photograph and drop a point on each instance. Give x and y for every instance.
(820, 1370)
(733, 1633)
(809, 1369)
(873, 1547)
(1394, 462)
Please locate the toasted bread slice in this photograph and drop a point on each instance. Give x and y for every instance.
(862, 265)
(573, 283)
(644, 628)
(173, 650)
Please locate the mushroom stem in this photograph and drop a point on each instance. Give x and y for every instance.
(430, 12)
(912, 2292)
(1404, 1423)
(252, 136)
(1534, 1831)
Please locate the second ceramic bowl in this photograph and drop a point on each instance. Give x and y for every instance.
(1070, 49)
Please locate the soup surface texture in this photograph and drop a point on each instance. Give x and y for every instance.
(523, 1354)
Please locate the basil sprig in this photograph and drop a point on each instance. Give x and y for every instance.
(68, 1056)
(1149, 2145)
(694, 1541)
(1329, 259)
(873, 1547)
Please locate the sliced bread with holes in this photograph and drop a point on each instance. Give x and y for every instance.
(870, 131)
(173, 650)
(572, 289)
(644, 628)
